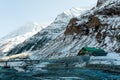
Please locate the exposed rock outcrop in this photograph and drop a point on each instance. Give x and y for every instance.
(111, 9)
(75, 28)
(72, 27)
(101, 23)
(100, 2)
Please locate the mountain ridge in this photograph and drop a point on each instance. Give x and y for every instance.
(61, 20)
(18, 36)
(97, 27)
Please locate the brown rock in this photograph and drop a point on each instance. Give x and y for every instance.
(93, 22)
(72, 28)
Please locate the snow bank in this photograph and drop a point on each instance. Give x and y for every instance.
(110, 59)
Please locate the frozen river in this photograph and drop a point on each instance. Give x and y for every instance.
(59, 74)
(57, 70)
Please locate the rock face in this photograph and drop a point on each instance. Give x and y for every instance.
(102, 22)
(100, 2)
(110, 8)
(72, 27)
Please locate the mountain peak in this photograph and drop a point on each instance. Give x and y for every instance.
(74, 12)
(28, 27)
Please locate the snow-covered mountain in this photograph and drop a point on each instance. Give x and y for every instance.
(97, 27)
(48, 34)
(18, 36)
(29, 27)
(74, 12)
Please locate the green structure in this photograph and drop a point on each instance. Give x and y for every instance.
(92, 51)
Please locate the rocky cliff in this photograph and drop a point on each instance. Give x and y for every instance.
(101, 22)
(98, 27)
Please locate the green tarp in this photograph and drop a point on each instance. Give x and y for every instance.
(92, 51)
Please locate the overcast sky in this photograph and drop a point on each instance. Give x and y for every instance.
(15, 13)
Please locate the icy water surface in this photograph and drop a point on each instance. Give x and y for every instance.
(58, 74)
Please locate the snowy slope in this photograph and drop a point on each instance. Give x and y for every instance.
(18, 36)
(29, 27)
(48, 34)
(104, 32)
(74, 12)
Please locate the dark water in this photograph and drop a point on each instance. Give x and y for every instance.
(57, 70)
(58, 74)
